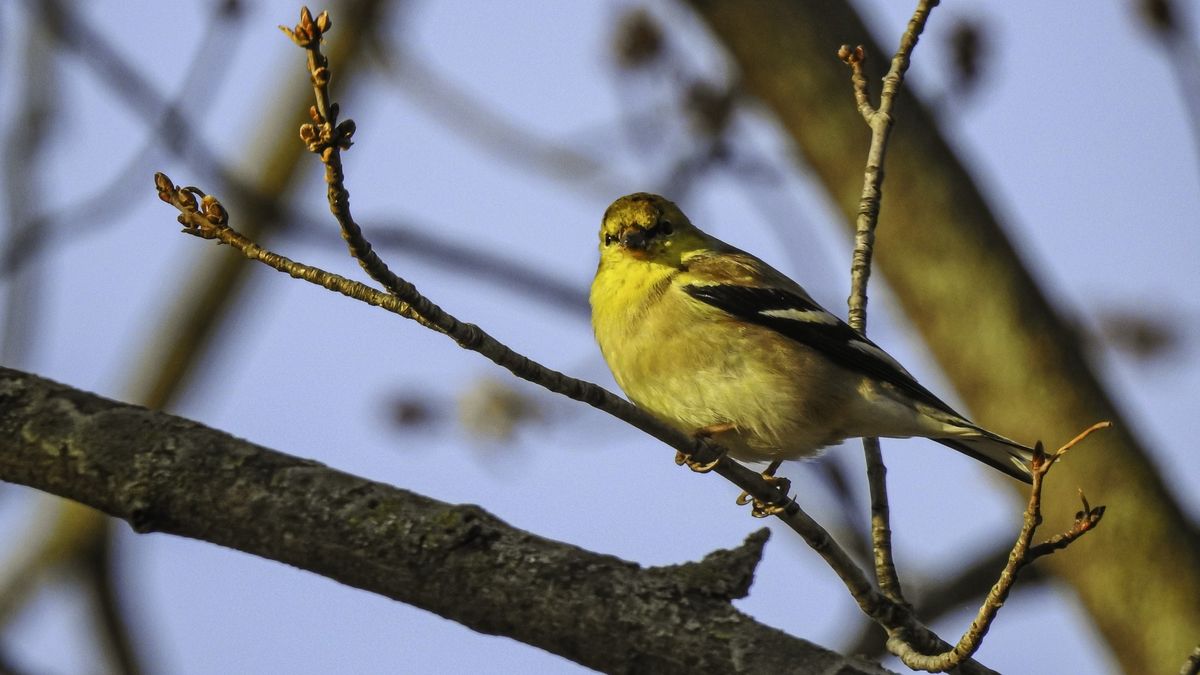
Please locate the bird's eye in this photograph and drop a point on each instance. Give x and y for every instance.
(665, 227)
(609, 239)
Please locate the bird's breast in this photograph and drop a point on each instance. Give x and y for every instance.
(694, 367)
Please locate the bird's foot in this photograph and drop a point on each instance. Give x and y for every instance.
(699, 467)
(760, 508)
(705, 433)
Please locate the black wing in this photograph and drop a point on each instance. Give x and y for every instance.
(808, 323)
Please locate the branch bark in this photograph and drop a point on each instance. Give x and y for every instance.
(1013, 360)
(162, 473)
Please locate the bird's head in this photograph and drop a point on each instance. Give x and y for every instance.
(648, 227)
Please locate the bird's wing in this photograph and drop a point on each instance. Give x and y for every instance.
(796, 316)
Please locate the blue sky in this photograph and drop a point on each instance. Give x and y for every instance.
(1078, 134)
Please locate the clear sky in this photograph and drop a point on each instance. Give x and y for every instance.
(1077, 132)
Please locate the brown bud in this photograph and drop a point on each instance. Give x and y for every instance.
(214, 212)
(324, 23)
(852, 55)
(187, 200)
(164, 186)
(162, 182)
(320, 76)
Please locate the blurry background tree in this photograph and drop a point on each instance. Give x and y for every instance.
(491, 137)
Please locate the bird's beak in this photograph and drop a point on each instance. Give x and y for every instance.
(634, 239)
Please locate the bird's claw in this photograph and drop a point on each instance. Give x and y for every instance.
(763, 509)
(760, 509)
(699, 467)
(704, 433)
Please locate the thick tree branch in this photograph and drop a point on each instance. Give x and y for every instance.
(162, 473)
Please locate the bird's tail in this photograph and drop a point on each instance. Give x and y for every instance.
(996, 451)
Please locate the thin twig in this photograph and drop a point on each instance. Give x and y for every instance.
(1023, 553)
(937, 599)
(880, 122)
(899, 643)
(419, 240)
(858, 79)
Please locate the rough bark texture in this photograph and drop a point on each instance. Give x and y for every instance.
(1011, 357)
(162, 473)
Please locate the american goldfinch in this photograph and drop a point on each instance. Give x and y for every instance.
(715, 342)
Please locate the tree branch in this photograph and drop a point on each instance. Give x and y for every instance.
(967, 587)
(880, 122)
(162, 473)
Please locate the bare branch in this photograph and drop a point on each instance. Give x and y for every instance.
(880, 122)
(1023, 553)
(420, 241)
(966, 588)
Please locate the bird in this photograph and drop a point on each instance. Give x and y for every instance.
(717, 343)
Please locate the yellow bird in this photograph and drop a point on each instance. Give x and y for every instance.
(717, 343)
